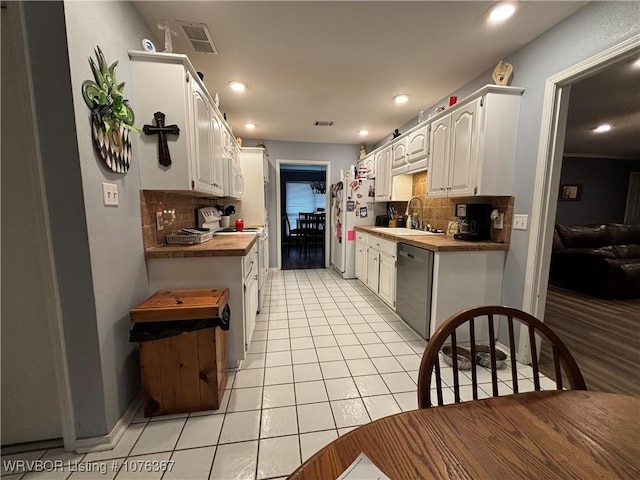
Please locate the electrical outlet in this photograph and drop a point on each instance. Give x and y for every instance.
(110, 194)
(520, 222)
(499, 222)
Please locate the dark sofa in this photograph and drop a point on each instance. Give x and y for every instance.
(599, 260)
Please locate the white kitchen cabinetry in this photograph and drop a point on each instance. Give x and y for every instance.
(472, 146)
(168, 83)
(369, 164)
(253, 208)
(217, 167)
(418, 149)
(399, 154)
(462, 280)
(388, 187)
(362, 252)
(383, 174)
(250, 271)
(378, 266)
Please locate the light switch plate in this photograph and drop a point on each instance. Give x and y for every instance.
(110, 194)
(520, 222)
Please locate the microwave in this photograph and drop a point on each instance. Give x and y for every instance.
(234, 182)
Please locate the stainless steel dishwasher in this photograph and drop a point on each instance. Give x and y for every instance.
(413, 293)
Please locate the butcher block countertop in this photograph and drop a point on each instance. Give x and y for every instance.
(436, 243)
(219, 246)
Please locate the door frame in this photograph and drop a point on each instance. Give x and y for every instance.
(327, 172)
(547, 180)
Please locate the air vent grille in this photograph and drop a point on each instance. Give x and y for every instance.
(323, 123)
(199, 36)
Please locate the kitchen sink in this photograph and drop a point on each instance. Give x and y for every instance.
(404, 231)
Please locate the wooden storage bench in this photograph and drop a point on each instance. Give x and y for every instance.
(186, 372)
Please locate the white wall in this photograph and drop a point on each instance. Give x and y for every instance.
(115, 233)
(98, 251)
(341, 157)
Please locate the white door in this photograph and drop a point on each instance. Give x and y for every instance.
(417, 145)
(383, 175)
(439, 161)
(361, 261)
(202, 139)
(463, 159)
(217, 167)
(373, 269)
(399, 156)
(250, 306)
(30, 408)
(387, 280)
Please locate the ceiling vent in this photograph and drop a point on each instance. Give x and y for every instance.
(322, 123)
(199, 37)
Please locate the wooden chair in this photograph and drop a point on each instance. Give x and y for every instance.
(292, 234)
(470, 323)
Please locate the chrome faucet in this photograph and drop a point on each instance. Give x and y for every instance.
(421, 219)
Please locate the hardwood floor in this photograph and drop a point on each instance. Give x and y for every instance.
(295, 257)
(602, 335)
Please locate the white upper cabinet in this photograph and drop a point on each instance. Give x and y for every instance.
(399, 154)
(369, 164)
(383, 175)
(217, 167)
(168, 83)
(472, 146)
(418, 149)
(202, 139)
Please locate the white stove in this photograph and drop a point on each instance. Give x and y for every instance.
(209, 217)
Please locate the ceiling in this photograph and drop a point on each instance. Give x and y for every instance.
(611, 96)
(344, 61)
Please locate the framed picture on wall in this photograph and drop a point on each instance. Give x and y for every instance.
(570, 192)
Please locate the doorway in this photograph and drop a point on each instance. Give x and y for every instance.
(538, 298)
(302, 204)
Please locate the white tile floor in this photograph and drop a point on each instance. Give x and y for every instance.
(327, 356)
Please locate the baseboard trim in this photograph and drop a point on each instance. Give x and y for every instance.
(109, 441)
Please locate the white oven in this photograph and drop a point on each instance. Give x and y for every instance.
(234, 182)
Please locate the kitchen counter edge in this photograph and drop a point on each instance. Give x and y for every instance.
(218, 246)
(436, 243)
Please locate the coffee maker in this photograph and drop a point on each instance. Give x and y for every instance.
(474, 221)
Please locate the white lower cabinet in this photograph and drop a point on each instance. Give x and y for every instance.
(376, 266)
(362, 252)
(387, 279)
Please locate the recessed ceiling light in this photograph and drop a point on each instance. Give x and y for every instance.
(605, 127)
(501, 11)
(250, 126)
(363, 132)
(402, 98)
(636, 64)
(237, 86)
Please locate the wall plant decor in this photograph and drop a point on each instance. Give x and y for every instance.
(111, 116)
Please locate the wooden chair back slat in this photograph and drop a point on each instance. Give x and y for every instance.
(533, 348)
(557, 368)
(512, 356)
(474, 373)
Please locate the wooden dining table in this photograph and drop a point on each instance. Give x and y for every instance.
(537, 435)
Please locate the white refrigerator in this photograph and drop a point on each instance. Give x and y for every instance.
(351, 204)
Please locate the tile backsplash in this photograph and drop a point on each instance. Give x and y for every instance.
(176, 212)
(440, 211)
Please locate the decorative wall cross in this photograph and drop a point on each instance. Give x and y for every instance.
(163, 148)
